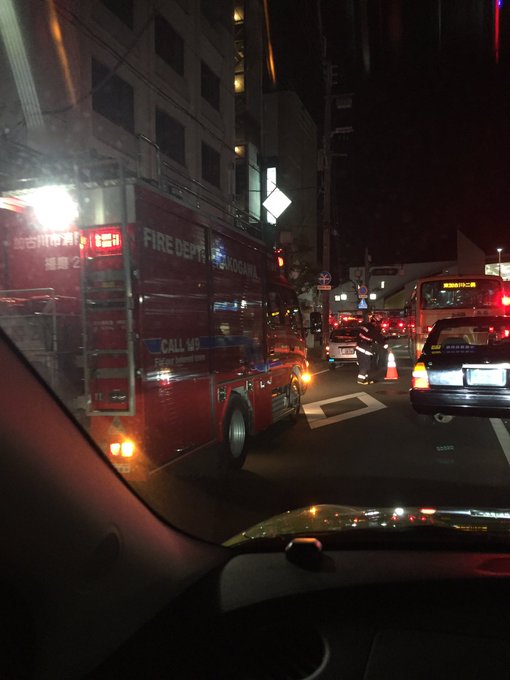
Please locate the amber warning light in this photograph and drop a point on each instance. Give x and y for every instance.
(107, 241)
(125, 449)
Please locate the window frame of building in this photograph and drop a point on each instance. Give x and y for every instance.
(168, 44)
(174, 130)
(102, 97)
(210, 86)
(211, 165)
(122, 9)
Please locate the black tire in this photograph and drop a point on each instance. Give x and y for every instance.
(294, 398)
(235, 433)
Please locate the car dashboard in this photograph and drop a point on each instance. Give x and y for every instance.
(360, 615)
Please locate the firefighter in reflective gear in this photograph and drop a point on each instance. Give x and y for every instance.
(369, 335)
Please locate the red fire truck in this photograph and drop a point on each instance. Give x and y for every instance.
(165, 331)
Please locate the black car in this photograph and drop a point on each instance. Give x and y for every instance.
(464, 368)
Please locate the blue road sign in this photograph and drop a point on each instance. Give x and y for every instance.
(324, 278)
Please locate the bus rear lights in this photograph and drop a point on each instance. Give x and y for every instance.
(125, 449)
(420, 379)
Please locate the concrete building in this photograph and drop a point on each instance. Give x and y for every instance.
(290, 150)
(149, 82)
(389, 286)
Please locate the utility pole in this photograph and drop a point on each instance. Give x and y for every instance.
(327, 70)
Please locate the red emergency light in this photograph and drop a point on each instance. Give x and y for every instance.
(506, 300)
(104, 241)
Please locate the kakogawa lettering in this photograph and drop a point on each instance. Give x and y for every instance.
(232, 264)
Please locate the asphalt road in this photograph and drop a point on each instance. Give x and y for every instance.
(353, 445)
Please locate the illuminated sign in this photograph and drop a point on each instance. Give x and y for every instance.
(459, 284)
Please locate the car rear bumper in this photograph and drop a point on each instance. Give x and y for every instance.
(489, 403)
(342, 360)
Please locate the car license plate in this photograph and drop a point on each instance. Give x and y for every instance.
(346, 350)
(486, 377)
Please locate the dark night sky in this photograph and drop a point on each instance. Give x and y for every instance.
(431, 149)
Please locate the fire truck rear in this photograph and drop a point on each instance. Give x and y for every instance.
(163, 331)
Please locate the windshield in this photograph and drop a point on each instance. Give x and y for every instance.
(462, 335)
(344, 334)
(475, 294)
(196, 198)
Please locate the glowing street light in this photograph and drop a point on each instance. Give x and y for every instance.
(499, 259)
(53, 207)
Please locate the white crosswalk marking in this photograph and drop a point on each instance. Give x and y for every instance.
(503, 436)
(317, 418)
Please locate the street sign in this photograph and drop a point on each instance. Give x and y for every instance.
(362, 304)
(323, 287)
(362, 291)
(324, 278)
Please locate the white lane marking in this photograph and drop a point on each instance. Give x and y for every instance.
(503, 436)
(317, 418)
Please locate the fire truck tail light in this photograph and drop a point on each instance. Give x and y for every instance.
(104, 241)
(506, 300)
(420, 377)
(125, 449)
(115, 448)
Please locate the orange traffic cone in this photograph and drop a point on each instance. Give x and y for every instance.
(391, 371)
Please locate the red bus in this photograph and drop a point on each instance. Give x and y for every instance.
(446, 296)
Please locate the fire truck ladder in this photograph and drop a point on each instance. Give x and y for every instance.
(107, 308)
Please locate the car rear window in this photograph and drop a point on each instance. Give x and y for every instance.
(456, 338)
(343, 334)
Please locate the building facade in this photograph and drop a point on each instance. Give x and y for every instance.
(149, 83)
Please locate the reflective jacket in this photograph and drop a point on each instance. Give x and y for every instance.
(368, 335)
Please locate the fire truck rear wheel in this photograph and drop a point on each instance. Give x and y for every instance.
(235, 432)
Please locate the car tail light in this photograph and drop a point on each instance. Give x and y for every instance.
(506, 300)
(401, 325)
(420, 377)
